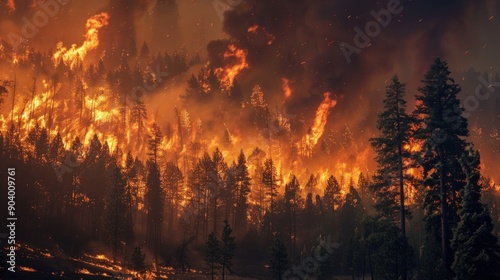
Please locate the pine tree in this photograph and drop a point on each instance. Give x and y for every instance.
(219, 169)
(227, 250)
(154, 142)
(138, 117)
(242, 181)
(212, 254)
(442, 131)
(392, 159)
(172, 181)
(389, 252)
(57, 148)
(116, 223)
(279, 259)
(311, 183)
(137, 260)
(476, 250)
(154, 207)
(293, 202)
(270, 180)
(332, 194)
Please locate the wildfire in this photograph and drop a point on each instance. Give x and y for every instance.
(286, 87)
(320, 120)
(10, 4)
(72, 55)
(237, 59)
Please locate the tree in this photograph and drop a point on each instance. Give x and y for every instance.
(57, 148)
(154, 207)
(388, 251)
(219, 168)
(260, 112)
(293, 202)
(311, 183)
(227, 251)
(242, 181)
(154, 142)
(351, 214)
(279, 259)
(270, 180)
(137, 260)
(476, 250)
(442, 130)
(392, 159)
(116, 223)
(332, 194)
(172, 181)
(212, 254)
(138, 116)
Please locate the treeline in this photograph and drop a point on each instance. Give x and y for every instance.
(75, 195)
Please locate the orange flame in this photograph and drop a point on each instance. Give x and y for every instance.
(286, 87)
(239, 57)
(71, 56)
(321, 118)
(253, 29)
(10, 4)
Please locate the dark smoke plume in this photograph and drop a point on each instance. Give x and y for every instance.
(306, 37)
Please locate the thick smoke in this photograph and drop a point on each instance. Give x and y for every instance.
(301, 40)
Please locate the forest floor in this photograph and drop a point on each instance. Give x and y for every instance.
(36, 263)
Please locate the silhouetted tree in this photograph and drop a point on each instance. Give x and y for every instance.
(476, 250)
(442, 130)
(279, 259)
(227, 250)
(212, 254)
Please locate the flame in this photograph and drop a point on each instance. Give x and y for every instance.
(11, 5)
(320, 120)
(71, 56)
(253, 29)
(27, 269)
(237, 60)
(265, 37)
(101, 257)
(286, 87)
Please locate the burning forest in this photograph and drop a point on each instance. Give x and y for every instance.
(248, 139)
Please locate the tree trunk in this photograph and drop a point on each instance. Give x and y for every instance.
(445, 243)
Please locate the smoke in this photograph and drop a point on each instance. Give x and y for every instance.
(300, 40)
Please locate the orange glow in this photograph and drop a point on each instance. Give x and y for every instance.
(237, 59)
(253, 29)
(10, 4)
(286, 87)
(72, 55)
(320, 120)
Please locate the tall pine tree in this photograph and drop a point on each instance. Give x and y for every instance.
(442, 131)
(227, 250)
(476, 250)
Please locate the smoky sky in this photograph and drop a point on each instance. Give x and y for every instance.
(307, 36)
